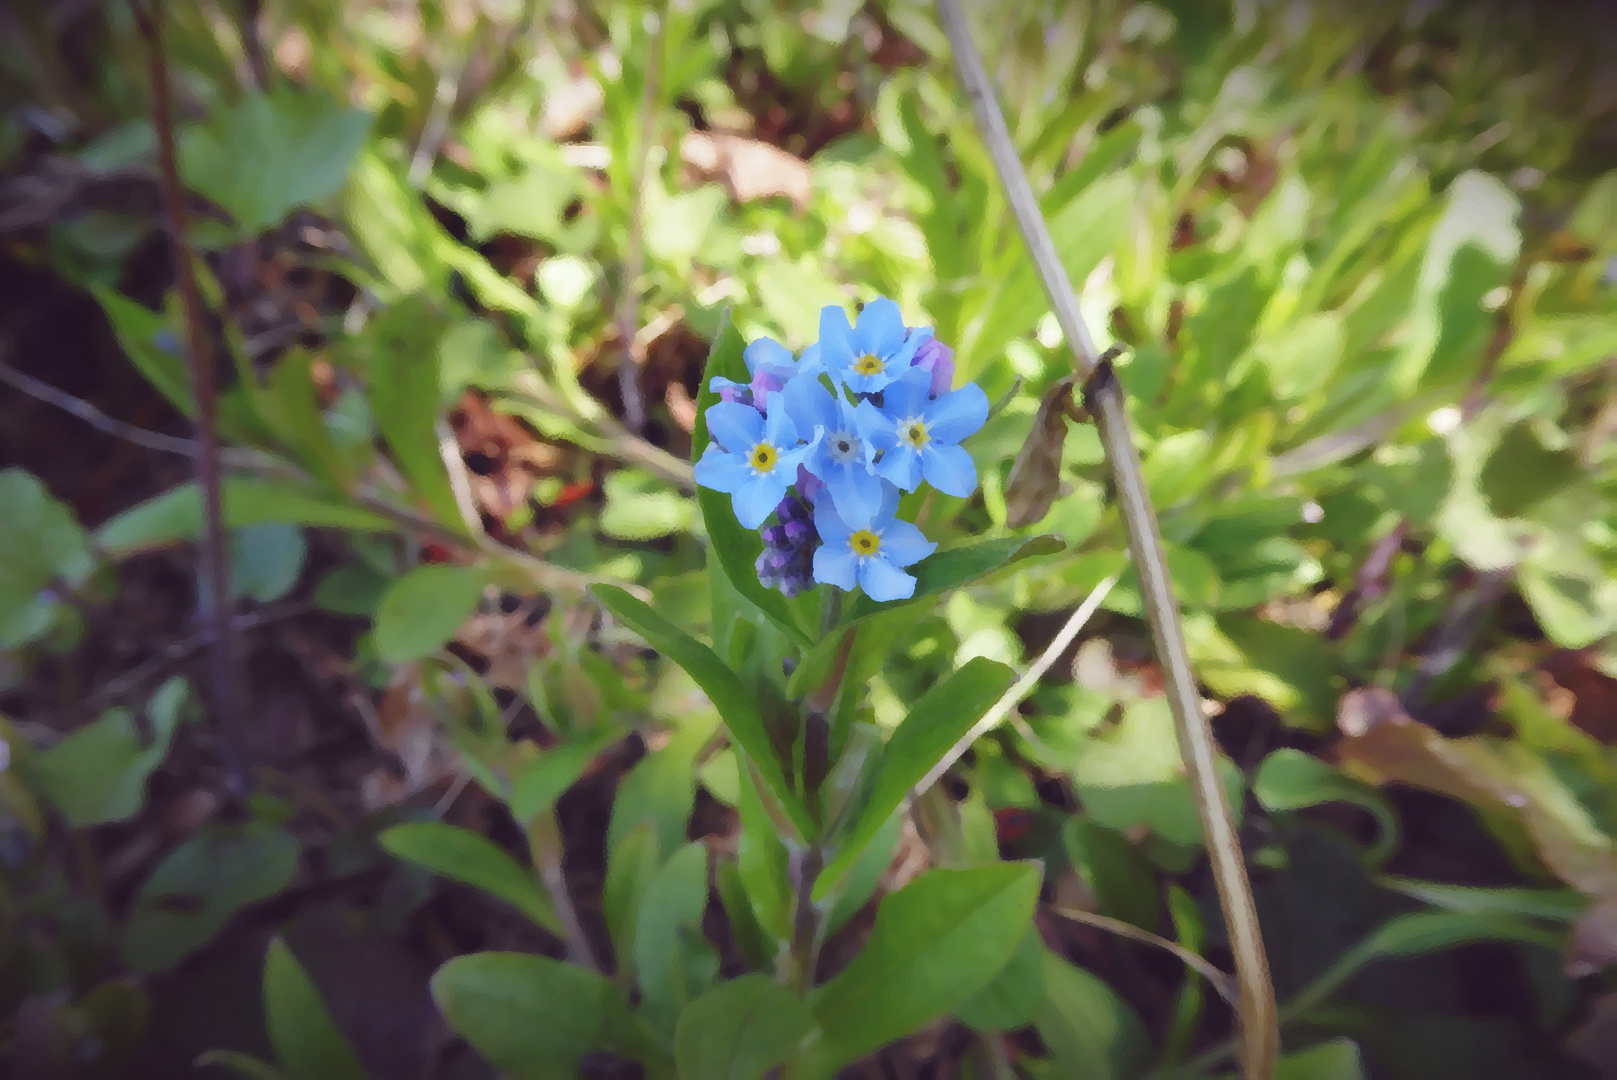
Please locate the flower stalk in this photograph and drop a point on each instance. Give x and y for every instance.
(1260, 1033)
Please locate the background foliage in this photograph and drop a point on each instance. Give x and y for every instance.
(1361, 259)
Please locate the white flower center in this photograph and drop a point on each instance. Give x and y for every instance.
(913, 431)
(844, 447)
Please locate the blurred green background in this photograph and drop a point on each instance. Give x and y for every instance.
(1362, 257)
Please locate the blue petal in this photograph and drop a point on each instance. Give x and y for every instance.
(957, 414)
(778, 426)
(861, 383)
(836, 564)
(875, 428)
(907, 395)
(809, 404)
(757, 498)
(809, 363)
(769, 353)
(949, 469)
(738, 427)
(903, 544)
(836, 340)
(889, 507)
(901, 465)
(880, 329)
(721, 471)
(829, 524)
(854, 491)
(881, 580)
(798, 455)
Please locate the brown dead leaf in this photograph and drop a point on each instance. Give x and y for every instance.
(404, 727)
(1382, 744)
(1035, 479)
(508, 642)
(748, 169)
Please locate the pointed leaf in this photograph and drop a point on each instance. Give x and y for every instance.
(306, 1039)
(735, 705)
(475, 860)
(531, 1015)
(421, 611)
(936, 942)
(944, 715)
(740, 1029)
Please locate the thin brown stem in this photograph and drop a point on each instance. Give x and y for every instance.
(1260, 1031)
(215, 591)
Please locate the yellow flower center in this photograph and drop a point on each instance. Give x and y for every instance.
(869, 364)
(913, 431)
(864, 542)
(763, 457)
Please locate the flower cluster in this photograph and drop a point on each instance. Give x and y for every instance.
(824, 442)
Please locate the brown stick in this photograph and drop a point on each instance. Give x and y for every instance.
(1260, 1031)
(215, 590)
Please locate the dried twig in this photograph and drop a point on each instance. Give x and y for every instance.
(226, 684)
(1221, 981)
(1260, 1031)
(91, 415)
(1024, 686)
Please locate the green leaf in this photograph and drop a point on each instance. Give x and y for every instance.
(176, 514)
(421, 611)
(530, 1015)
(306, 1039)
(42, 543)
(1560, 905)
(200, 885)
(271, 153)
(1091, 1032)
(266, 560)
(735, 705)
(944, 715)
(476, 860)
(1130, 774)
(401, 358)
(98, 773)
(740, 1029)
(936, 942)
(1291, 780)
(735, 548)
(535, 789)
(139, 330)
(659, 791)
(1012, 998)
(630, 867)
(641, 507)
(673, 963)
(1418, 934)
(1520, 472)
(1123, 882)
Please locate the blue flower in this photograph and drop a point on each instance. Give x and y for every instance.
(839, 461)
(868, 551)
(753, 458)
(869, 354)
(771, 366)
(919, 436)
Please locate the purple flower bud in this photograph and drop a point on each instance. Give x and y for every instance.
(936, 357)
(765, 382)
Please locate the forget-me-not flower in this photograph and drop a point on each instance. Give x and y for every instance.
(753, 458)
(919, 436)
(839, 461)
(869, 551)
(870, 353)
